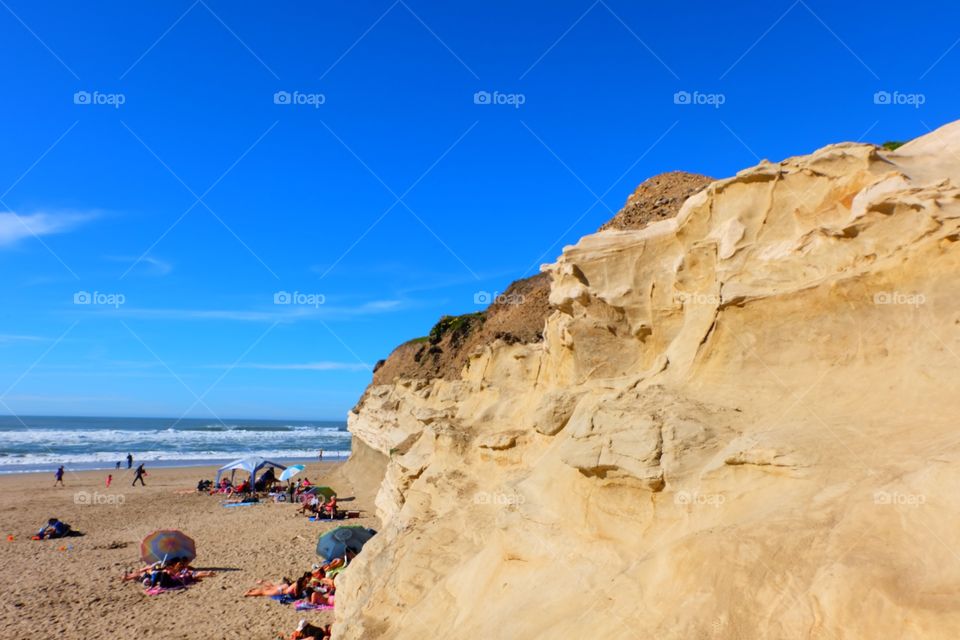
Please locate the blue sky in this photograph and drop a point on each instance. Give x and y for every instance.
(186, 161)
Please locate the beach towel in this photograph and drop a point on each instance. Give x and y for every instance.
(304, 605)
(283, 599)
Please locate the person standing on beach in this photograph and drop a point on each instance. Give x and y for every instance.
(109, 479)
(139, 476)
(129, 460)
(321, 455)
(59, 476)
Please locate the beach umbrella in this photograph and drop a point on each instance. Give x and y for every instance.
(336, 542)
(166, 545)
(291, 471)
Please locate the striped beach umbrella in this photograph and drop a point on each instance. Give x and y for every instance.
(167, 545)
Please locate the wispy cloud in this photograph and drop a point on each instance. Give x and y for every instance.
(151, 265)
(298, 366)
(16, 227)
(282, 313)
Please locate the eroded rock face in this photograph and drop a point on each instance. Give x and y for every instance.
(739, 423)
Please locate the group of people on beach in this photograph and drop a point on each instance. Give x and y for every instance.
(313, 590)
(138, 474)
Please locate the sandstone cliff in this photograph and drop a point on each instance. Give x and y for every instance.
(739, 423)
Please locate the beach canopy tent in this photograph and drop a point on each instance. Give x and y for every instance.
(251, 464)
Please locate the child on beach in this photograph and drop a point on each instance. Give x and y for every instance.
(109, 479)
(53, 529)
(59, 476)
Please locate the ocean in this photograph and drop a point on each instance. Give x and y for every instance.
(41, 443)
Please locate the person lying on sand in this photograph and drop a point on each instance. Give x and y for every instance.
(53, 529)
(293, 591)
(177, 573)
(137, 574)
(182, 570)
(269, 590)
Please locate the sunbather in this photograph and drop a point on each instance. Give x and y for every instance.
(182, 570)
(291, 590)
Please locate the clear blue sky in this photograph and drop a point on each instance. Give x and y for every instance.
(397, 198)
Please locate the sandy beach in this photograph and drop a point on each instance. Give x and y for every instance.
(70, 588)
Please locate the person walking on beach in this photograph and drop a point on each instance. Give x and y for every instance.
(129, 460)
(59, 476)
(321, 455)
(139, 476)
(109, 479)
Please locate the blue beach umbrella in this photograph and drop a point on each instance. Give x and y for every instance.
(291, 471)
(336, 542)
